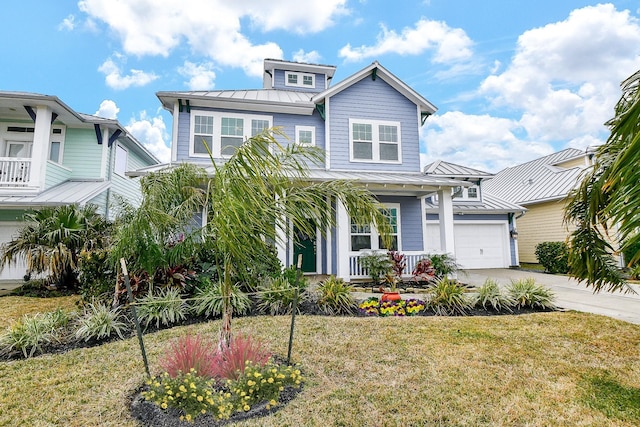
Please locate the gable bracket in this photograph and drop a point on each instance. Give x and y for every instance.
(184, 107)
(424, 116)
(320, 109)
(31, 113)
(54, 116)
(115, 136)
(98, 133)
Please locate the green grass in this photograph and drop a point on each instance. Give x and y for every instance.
(568, 369)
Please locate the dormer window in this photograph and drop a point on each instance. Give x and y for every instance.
(472, 192)
(300, 79)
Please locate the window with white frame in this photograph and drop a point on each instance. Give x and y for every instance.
(306, 135)
(57, 143)
(120, 166)
(472, 192)
(366, 237)
(223, 132)
(374, 141)
(300, 79)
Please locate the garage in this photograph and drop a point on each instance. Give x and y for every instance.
(478, 244)
(12, 272)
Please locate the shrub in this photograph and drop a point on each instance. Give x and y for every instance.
(423, 270)
(525, 293)
(190, 393)
(491, 296)
(335, 297)
(30, 333)
(291, 275)
(230, 360)
(165, 309)
(448, 298)
(443, 264)
(554, 256)
(262, 383)
(276, 295)
(97, 278)
(209, 300)
(398, 262)
(190, 354)
(99, 322)
(377, 264)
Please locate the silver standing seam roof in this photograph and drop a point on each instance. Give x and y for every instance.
(537, 181)
(69, 192)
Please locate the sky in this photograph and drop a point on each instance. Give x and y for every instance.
(513, 80)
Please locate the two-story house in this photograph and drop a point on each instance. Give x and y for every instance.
(52, 155)
(368, 126)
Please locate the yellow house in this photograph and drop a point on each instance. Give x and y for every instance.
(542, 186)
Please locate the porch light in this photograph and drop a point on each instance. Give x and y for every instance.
(514, 234)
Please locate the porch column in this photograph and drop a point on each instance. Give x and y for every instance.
(342, 242)
(423, 215)
(281, 240)
(445, 218)
(40, 148)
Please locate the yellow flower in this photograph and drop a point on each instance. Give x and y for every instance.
(188, 417)
(270, 380)
(192, 385)
(257, 374)
(182, 389)
(272, 402)
(200, 398)
(251, 383)
(246, 408)
(163, 405)
(280, 388)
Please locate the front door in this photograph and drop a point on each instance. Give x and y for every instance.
(306, 246)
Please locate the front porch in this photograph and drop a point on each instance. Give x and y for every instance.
(356, 271)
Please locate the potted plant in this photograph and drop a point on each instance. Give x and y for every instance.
(398, 264)
(392, 293)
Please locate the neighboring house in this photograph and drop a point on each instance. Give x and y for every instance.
(484, 225)
(368, 125)
(542, 186)
(51, 155)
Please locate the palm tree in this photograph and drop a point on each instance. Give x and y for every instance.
(53, 238)
(609, 194)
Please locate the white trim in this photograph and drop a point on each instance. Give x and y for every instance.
(62, 136)
(299, 79)
(174, 132)
(216, 148)
(375, 140)
(311, 129)
(375, 236)
(116, 163)
(327, 133)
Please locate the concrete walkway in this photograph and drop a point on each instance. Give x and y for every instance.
(569, 294)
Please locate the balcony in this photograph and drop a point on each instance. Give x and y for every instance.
(15, 171)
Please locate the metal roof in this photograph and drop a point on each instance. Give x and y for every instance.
(537, 181)
(451, 170)
(488, 205)
(68, 192)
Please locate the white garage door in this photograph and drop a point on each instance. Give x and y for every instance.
(13, 272)
(478, 245)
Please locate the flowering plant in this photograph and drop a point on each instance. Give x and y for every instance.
(392, 308)
(369, 307)
(414, 306)
(373, 307)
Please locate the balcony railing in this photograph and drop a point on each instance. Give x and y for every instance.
(14, 172)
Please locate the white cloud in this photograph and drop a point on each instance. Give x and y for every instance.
(201, 76)
(115, 80)
(67, 23)
(448, 44)
(210, 27)
(152, 133)
(108, 109)
(312, 57)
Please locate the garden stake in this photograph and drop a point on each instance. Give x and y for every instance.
(135, 315)
(295, 307)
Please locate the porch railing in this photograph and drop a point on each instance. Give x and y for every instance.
(14, 172)
(356, 271)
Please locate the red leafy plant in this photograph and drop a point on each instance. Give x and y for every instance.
(187, 353)
(424, 271)
(230, 360)
(398, 262)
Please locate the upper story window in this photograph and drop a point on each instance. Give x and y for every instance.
(472, 192)
(18, 141)
(366, 237)
(223, 133)
(120, 166)
(300, 79)
(466, 193)
(306, 135)
(374, 141)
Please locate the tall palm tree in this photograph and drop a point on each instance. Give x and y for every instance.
(52, 239)
(609, 195)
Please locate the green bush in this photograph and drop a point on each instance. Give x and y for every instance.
(449, 298)
(377, 264)
(165, 309)
(99, 321)
(490, 296)
(208, 300)
(630, 252)
(335, 297)
(31, 333)
(554, 256)
(443, 264)
(276, 295)
(525, 293)
(96, 276)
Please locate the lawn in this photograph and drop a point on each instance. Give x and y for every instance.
(539, 369)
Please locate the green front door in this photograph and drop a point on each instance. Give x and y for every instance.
(306, 246)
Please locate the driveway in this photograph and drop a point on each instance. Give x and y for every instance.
(569, 294)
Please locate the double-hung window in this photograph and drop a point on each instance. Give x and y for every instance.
(306, 135)
(300, 79)
(374, 141)
(223, 133)
(366, 237)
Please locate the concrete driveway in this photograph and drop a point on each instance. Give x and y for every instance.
(569, 294)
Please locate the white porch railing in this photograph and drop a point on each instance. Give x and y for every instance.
(14, 172)
(356, 271)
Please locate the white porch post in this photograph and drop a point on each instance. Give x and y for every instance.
(281, 240)
(423, 215)
(342, 242)
(445, 218)
(40, 148)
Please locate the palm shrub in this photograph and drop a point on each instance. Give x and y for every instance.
(448, 298)
(335, 297)
(525, 293)
(491, 296)
(209, 299)
(443, 264)
(99, 322)
(31, 333)
(166, 308)
(276, 296)
(377, 264)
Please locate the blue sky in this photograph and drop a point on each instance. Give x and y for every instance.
(513, 80)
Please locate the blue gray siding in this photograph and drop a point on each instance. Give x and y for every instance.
(373, 100)
(410, 221)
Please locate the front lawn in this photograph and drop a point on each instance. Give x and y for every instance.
(536, 369)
